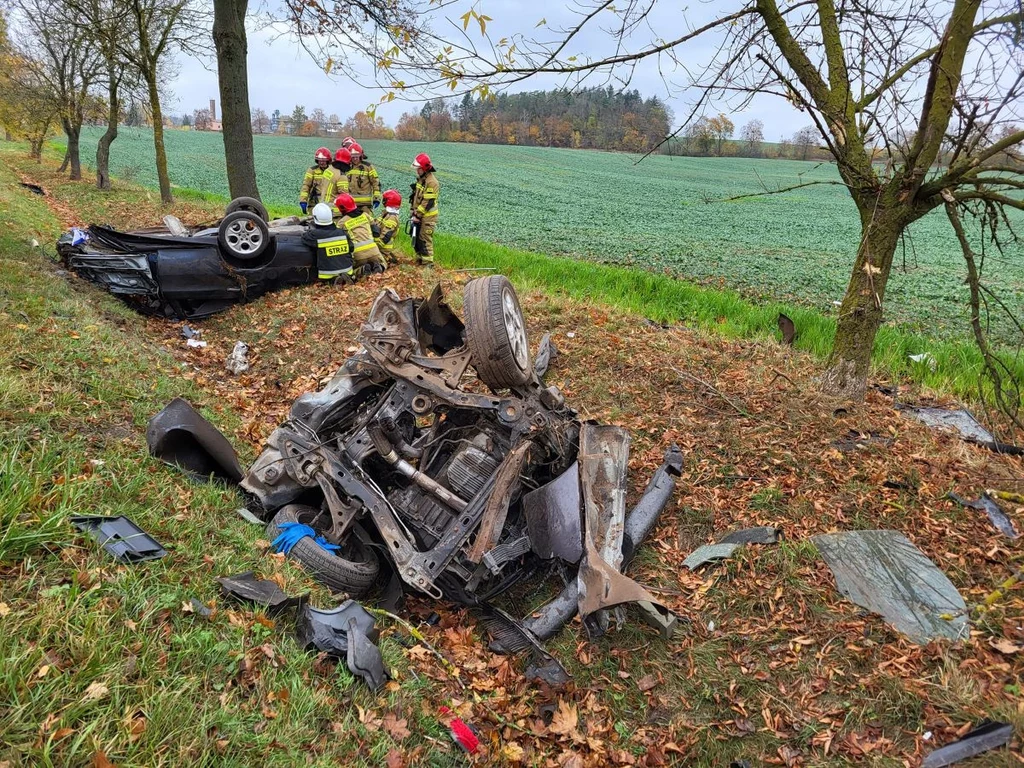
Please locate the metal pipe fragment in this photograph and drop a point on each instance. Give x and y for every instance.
(428, 484)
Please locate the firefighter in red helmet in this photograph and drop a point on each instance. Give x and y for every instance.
(318, 181)
(363, 181)
(366, 257)
(424, 208)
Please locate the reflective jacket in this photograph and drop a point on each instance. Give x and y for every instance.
(358, 226)
(424, 198)
(339, 177)
(317, 185)
(386, 230)
(333, 250)
(364, 184)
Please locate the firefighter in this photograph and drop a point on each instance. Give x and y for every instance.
(363, 182)
(332, 246)
(318, 181)
(366, 257)
(385, 228)
(347, 142)
(340, 168)
(424, 208)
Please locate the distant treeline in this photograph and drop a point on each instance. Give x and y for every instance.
(591, 118)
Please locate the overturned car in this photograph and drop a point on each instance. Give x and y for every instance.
(186, 273)
(409, 469)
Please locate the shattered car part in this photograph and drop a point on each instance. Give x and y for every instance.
(327, 631)
(238, 361)
(761, 534)
(995, 513)
(709, 553)
(429, 474)
(178, 435)
(553, 517)
(883, 572)
(363, 657)
(247, 587)
(959, 420)
(119, 536)
(982, 739)
(178, 272)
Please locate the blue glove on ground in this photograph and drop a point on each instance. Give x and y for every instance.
(376, 203)
(303, 207)
(292, 533)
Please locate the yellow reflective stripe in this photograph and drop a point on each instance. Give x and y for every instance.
(428, 214)
(361, 199)
(328, 274)
(362, 245)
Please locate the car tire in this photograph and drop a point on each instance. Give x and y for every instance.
(243, 235)
(496, 332)
(353, 569)
(250, 204)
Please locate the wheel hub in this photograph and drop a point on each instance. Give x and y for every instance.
(515, 330)
(243, 237)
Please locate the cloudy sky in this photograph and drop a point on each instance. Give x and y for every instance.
(282, 74)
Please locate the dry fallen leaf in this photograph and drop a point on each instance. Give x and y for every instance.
(512, 752)
(394, 759)
(95, 692)
(99, 760)
(647, 682)
(397, 728)
(565, 720)
(4, 609)
(1007, 646)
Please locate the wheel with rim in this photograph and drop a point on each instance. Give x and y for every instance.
(496, 332)
(243, 235)
(353, 568)
(250, 204)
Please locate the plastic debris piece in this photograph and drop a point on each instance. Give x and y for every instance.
(762, 534)
(248, 588)
(327, 631)
(249, 517)
(983, 738)
(363, 658)
(122, 538)
(200, 608)
(545, 668)
(995, 513)
(178, 435)
(925, 358)
(238, 361)
(462, 734)
(195, 343)
(709, 553)
(189, 332)
(961, 420)
(886, 574)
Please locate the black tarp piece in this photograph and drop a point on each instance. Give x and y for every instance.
(761, 534)
(178, 435)
(248, 588)
(983, 738)
(122, 538)
(346, 632)
(886, 574)
(960, 420)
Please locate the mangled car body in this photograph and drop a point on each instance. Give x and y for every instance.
(460, 486)
(185, 273)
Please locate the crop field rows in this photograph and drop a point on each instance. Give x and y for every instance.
(665, 214)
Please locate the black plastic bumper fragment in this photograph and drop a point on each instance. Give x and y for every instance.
(122, 538)
(178, 435)
(248, 588)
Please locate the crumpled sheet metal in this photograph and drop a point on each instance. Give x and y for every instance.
(709, 553)
(346, 632)
(995, 513)
(178, 435)
(885, 573)
(983, 738)
(553, 517)
(761, 534)
(247, 587)
(960, 420)
(603, 459)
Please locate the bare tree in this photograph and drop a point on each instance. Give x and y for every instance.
(233, 78)
(157, 28)
(804, 140)
(27, 106)
(863, 70)
(201, 119)
(260, 124)
(66, 60)
(753, 136)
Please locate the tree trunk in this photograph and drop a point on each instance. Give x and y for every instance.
(158, 139)
(72, 157)
(861, 312)
(103, 147)
(232, 74)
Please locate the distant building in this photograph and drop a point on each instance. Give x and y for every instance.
(215, 124)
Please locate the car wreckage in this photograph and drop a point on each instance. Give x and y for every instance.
(187, 273)
(459, 486)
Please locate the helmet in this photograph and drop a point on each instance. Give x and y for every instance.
(343, 156)
(347, 142)
(392, 198)
(345, 202)
(322, 214)
(355, 149)
(322, 154)
(422, 161)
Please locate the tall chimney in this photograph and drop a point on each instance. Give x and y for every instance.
(213, 109)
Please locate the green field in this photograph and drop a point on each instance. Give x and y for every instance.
(601, 206)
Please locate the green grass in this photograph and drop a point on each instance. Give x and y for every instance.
(602, 207)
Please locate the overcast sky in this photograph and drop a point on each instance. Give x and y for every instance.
(282, 74)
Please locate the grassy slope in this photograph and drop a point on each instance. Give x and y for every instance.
(788, 663)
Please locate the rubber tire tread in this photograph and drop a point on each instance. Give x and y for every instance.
(486, 336)
(243, 257)
(331, 570)
(250, 204)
